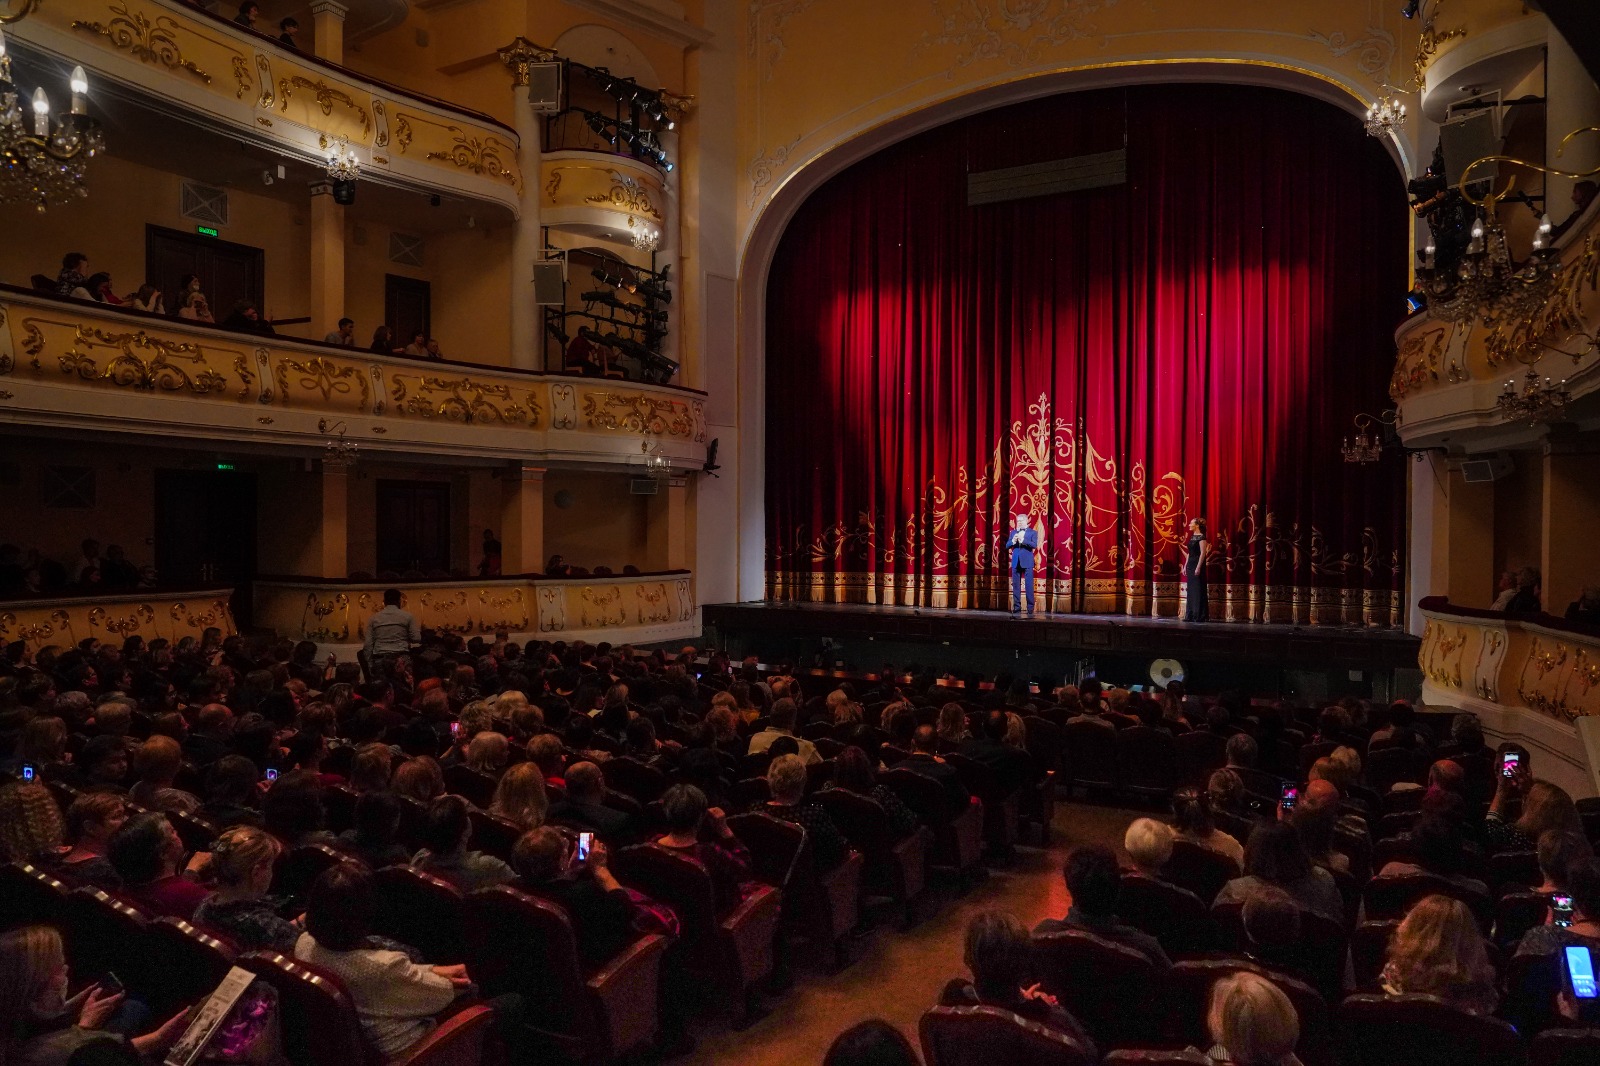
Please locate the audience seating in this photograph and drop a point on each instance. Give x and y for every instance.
(1148, 760)
(476, 787)
(1318, 957)
(1187, 988)
(1199, 870)
(1199, 754)
(981, 1036)
(1131, 1057)
(1423, 1031)
(1387, 767)
(634, 778)
(1091, 757)
(957, 837)
(734, 949)
(894, 868)
(29, 894)
(1000, 805)
(460, 1040)
(1517, 912)
(1508, 871)
(195, 832)
(1565, 1047)
(492, 834)
(1173, 915)
(318, 1018)
(1112, 989)
(1394, 895)
(108, 935)
(421, 910)
(521, 943)
(824, 904)
(190, 962)
(1369, 948)
(298, 868)
(339, 807)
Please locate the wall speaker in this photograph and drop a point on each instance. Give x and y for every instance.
(544, 88)
(550, 282)
(1489, 468)
(1468, 137)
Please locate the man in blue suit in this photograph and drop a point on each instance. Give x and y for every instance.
(1022, 543)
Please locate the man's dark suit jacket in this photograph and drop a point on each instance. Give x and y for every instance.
(614, 827)
(941, 772)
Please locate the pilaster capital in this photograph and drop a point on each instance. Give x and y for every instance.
(521, 54)
(331, 8)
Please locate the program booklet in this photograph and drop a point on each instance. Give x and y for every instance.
(209, 1018)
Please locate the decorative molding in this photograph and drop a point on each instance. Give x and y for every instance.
(765, 167)
(650, 19)
(1374, 52)
(626, 194)
(147, 40)
(764, 31)
(326, 96)
(481, 156)
(1016, 32)
(146, 614)
(521, 54)
(638, 413)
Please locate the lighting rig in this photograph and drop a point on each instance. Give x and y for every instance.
(634, 329)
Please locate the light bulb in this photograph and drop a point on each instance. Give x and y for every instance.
(41, 113)
(1477, 229)
(1544, 225)
(80, 87)
(2, 44)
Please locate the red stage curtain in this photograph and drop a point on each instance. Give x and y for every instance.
(1192, 343)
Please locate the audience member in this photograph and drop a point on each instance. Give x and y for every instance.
(344, 336)
(73, 279)
(195, 307)
(1586, 608)
(288, 30)
(1094, 883)
(871, 1043)
(852, 771)
(148, 855)
(246, 318)
(157, 763)
(1252, 1023)
(781, 723)
(418, 348)
(1544, 807)
(787, 779)
(1274, 855)
(1149, 846)
(383, 344)
(30, 824)
(520, 797)
(686, 814)
(375, 836)
(1559, 851)
(1439, 951)
(585, 806)
(1526, 600)
(1436, 848)
(242, 863)
(446, 832)
(924, 760)
(249, 11)
(1505, 590)
(601, 910)
(92, 820)
(1000, 956)
(1191, 818)
(1583, 885)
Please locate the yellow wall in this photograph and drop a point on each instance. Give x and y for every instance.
(288, 518)
(109, 226)
(124, 511)
(604, 525)
(1518, 521)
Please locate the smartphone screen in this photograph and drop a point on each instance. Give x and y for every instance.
(1561, 911)
(1288, 797)
(1509, 763)
(585, 842)
(1580, 971)
(272, 775)
(1033, 687)
(455, 729)
(110, 984)
(27, 771)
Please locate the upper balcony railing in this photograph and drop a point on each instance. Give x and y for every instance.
(81, 365)
(184, 56)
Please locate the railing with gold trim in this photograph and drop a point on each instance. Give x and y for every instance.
(633, 608)
(1532, 662)
(1448, 375)
(64, 621)
(78, 364)
(206, 64)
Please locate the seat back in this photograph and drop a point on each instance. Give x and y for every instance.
(521, 943)
(1105, 985)
(1045, 743)
(1148, 759)
(1199, 754)
(677, 880)
(1171, 1057)
(298, 868)
(195, 832)
(1386, 767)
(922, 794)
(980, 1036)
(421, 910)
(778, 852)
(30, 895)
(860, 818)
(1516, 913)
(192, 964)
(320, 1026)
(1173, 915)
(104, 933)
(1424, 1031)
(980, 780)
(1565, 1047)
(1199, 869)
(475, 786)
(339, 808)
(1394, 895)
(1318, 957)
(634, 778)
(1091, 755)
(1369, 949)
(493, 834)
(1513, 871)
(1189, 993)
(459, 1040)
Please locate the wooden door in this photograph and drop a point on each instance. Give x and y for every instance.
(413, 526)
(407, 308)
(228, 272)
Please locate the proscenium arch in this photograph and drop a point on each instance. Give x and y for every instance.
(772, 218)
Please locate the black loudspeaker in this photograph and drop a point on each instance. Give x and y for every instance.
(344, 192)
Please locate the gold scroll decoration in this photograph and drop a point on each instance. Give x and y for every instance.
(322, 376)
(638, 413)
(147, 40)
(462, 399)
(134, 368)
(326, 96)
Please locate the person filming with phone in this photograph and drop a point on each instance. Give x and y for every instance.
(571, 869)
(1523, 807)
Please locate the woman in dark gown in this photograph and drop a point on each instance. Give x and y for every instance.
(1194, 571)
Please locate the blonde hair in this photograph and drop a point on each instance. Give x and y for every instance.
(1252, 1018)
(488, 751)
(29, 958)
(158, 759)
(1016, 730)
(1149, 843)
(1438, 950)
(787, 776)
(952, 722)
(419, 779)
(1547, 807)
(520, 796)
(239, 850)
(1348, 760)
(30, 822)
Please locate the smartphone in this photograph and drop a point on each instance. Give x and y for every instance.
(585, 842)
(1033, 687)
(1561, 911)
(110, 984)
(1509, 762)
(455, 730)
(1288, 797)
(1580, 972)
(272, 775)
(28, 773)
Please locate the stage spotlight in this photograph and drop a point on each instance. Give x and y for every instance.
(1410, 10)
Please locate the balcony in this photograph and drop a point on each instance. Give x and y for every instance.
(175, 55)
(78, 365)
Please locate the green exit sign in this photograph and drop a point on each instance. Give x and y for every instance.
(205, 231)
(225, 466)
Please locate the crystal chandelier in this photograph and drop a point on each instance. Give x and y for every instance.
(1386, 116)
(43, 157)
(1366, 446)
(1540, 400)
(337, 452)
(1488, 285)
(342, 162)
(646, 237)
(656, 465)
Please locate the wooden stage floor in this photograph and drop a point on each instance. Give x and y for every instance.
(1355, 647)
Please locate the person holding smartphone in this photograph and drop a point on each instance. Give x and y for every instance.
(1583, 886)
(548, 865)
(1542, 806)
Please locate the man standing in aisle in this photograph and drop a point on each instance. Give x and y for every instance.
(1023, 542)
(391, 632)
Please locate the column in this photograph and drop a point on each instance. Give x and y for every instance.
(1469, 542)
(1573, 103)
(668, 527)
(333, 532)
(522, 519)
(327, 30)
(527, 237)
(327, 260)
(1571, 514)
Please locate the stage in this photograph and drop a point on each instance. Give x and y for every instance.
(1310, 661)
